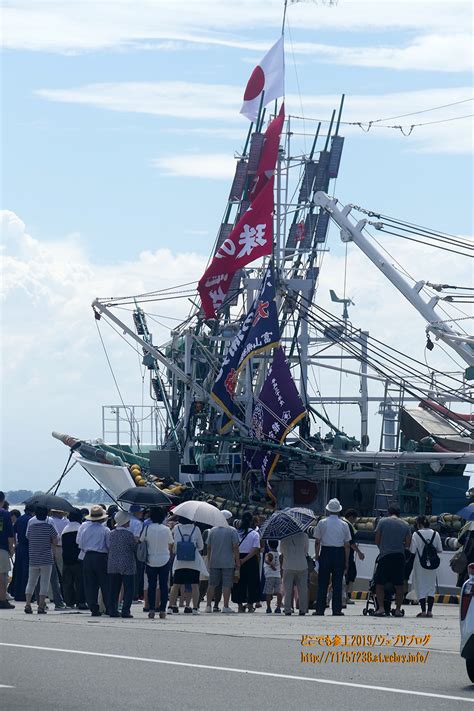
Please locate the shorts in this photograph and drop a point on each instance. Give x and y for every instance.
(390, 569)
(221, 576)
(272, 586)
(186, 575)
(4, 562)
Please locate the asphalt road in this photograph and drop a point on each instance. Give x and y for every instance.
(70, 661)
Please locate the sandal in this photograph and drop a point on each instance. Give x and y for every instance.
(28, 609)
(379, 614)
(429, 614)
(422, 614)
(398, 613)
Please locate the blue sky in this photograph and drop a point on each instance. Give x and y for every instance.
(119, 127)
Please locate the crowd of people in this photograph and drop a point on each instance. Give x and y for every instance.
(104, 559)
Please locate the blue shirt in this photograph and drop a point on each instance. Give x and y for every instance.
(6, 529)
(93, 536)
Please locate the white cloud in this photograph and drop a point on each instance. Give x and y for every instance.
(178, 99)
(216, 166)
(55, 375)
(441, 53)
(63, 26)
(184, 100)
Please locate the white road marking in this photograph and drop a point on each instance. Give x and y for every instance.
(6, 686)
(234, 670)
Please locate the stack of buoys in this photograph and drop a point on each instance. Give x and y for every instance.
(137, 474)
(453, 522)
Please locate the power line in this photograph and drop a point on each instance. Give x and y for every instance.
(423, 111)
(406, 129)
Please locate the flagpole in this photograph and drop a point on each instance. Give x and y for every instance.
(276, 245)
(285, 5)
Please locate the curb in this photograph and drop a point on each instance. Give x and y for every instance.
(443, 599)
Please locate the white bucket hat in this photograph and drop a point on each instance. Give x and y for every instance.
(122, 517)
(227, 513)
(333, 506)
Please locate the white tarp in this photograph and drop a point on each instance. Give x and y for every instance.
(114, 479)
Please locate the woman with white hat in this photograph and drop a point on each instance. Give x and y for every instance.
(333, 539)
(121, 565)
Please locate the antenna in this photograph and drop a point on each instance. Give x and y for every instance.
(346, 302)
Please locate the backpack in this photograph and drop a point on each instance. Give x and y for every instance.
(429, 558)
(186, 549)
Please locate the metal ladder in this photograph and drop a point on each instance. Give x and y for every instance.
(386, 479)
(390, 410)
(386, 488)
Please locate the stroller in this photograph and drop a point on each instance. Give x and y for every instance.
(371, 605)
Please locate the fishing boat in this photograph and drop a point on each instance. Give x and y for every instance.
(233, 413)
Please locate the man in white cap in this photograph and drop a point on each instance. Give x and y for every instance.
(333, 539)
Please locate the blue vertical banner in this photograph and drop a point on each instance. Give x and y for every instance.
(259, 332)
(277, 410)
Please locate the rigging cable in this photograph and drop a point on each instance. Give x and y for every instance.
(116, 382)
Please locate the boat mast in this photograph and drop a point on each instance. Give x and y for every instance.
(351, 232)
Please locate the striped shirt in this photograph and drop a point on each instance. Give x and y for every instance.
(40, 535)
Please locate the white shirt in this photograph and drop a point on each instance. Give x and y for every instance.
(189, 535)
(248, 541)
(332, 532)
(158, 539)
(417, 545)
(59, 524)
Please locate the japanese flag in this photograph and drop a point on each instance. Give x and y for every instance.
(268, 77)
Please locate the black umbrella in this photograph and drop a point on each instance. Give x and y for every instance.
(49, 501)
(145, 496)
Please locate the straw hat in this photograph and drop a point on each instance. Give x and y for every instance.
(97, 514)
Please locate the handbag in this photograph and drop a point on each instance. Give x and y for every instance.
(186, 549)
(142, 549)
(459, 561)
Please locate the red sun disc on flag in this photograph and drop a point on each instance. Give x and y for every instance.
(255, 84)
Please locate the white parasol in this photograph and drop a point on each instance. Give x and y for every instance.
(200, 512)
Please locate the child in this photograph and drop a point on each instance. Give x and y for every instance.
(271, 568)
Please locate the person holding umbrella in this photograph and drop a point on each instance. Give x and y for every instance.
(187, 564)
(159, 545)
(294, 550)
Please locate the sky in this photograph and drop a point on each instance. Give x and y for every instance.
(119, 129)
